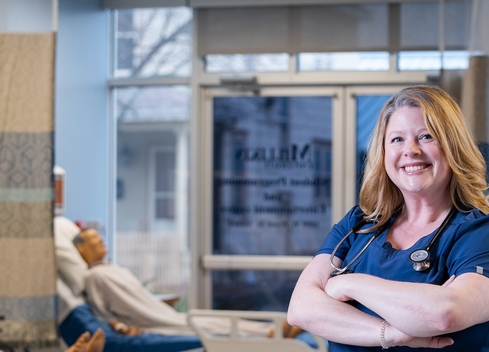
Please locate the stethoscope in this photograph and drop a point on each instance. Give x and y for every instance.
(419, 258)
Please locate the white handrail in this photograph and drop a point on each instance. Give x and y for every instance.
(257, 262)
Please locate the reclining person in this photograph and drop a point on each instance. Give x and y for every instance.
(118, 298)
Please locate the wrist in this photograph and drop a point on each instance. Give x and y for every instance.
(383, 342)
(394, 337)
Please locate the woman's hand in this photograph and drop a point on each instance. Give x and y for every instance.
(336, 287)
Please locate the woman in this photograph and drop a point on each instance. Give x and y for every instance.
(422, 163)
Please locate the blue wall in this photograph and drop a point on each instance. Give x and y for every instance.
(81, 125)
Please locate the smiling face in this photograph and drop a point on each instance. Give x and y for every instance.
(414, 161)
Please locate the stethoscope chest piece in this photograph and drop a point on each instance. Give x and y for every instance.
(420, 259)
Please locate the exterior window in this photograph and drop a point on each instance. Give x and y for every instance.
(433, 60)
(151, 237)
(153, 42)
(165, 185)
(357, 61)
(152, 204)
(247, 63)
(125, 41)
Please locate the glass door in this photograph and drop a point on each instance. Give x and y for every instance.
(275, 191)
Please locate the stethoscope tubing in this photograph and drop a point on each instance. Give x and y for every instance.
(418, 264)
(355, 228)
(442, 227)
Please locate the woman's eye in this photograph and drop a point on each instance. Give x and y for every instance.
(426, 136)
(396, 140)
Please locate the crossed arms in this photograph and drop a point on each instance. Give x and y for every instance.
(417, 313)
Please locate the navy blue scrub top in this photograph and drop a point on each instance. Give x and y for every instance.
(461, 248)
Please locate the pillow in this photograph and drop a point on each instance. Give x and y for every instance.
(67, 301)
(70, 265)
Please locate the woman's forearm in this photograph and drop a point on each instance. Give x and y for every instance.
(416, 309)
(313, 310)
(334, 319)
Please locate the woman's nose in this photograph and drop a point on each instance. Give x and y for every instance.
(412, 149)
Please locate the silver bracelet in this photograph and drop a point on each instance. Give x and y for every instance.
(382, 335)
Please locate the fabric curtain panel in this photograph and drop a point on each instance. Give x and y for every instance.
(27, 265)
(332, 28)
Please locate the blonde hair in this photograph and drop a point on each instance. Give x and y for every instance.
(379, 197)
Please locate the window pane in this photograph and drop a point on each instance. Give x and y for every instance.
(253, 289)
(456, 60)
(165, 209)
(125, 40)
(359, 61)
(165, 172)
(153, 42)
(151, 236)
(432, 60)
(368, 108)
(247, 63)
(153, 104)
(272, 174)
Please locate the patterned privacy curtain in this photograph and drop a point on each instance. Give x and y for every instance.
(27, 265)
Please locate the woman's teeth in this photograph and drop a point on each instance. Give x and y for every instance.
(413, 168)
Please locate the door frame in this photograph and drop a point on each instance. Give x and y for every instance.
(207, 262)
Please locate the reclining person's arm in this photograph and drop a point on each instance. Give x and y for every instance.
(124, 329)
(99, 299)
